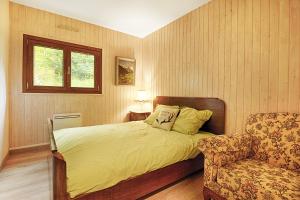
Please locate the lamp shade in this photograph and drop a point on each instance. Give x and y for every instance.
(141, 95)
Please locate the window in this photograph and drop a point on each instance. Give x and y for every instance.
(51, 66)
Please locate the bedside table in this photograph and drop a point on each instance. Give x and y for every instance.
(136, 116)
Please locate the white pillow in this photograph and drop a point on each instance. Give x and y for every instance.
(166, 118)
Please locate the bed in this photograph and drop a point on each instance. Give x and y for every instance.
(159, 176)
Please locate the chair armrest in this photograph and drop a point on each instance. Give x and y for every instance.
(220, 150)
(225, 144)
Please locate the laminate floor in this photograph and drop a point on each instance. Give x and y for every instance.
(28, 176)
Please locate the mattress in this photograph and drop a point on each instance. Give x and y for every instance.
(99, 157)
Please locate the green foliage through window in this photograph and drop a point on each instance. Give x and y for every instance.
(48, 67)
(82, 70)
(52, 66)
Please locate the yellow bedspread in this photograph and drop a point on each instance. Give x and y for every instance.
(99, 157)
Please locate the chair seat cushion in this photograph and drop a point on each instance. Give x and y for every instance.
(252, 179)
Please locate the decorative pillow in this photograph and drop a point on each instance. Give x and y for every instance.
(191, 120)
(150, 119)
(166, 118)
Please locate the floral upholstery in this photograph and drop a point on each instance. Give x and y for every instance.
(263, 163)
(223, 149)
(225, 143)
(252, 179)
(276, 138)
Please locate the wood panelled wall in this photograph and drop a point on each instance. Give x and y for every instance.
(246, 52)
(29, 112)
(4, 88)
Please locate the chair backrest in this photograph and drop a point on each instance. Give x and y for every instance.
(276, 138)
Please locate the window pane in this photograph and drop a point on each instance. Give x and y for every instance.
(47, 67)
(82, 70)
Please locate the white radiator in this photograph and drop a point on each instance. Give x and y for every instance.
(66, 120)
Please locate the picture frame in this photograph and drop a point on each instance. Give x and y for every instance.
(125, 71)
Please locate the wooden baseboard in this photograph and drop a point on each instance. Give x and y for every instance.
(4, 161)
(30, 148)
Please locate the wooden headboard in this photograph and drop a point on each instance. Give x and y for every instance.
(215, 125)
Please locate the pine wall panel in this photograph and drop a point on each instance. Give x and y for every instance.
(246, 52)
(29, 112)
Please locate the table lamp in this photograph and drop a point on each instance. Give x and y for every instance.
(142, 97)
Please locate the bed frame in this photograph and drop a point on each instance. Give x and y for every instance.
(140, 186)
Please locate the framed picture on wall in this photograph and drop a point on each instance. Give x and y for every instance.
(125, 71)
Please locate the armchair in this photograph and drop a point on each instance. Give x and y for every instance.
(263, 163)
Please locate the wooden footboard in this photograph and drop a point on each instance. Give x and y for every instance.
(59, 169)
(59, 177)
(125, 190)
(130, 189)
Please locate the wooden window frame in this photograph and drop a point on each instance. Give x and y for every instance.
(30, 41)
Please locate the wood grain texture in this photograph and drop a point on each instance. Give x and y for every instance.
(4, 77)
(137, 116)
(140, 186)
(29, 112)
(246, 52)
(144, 184)
(133, 188)
(29, 42)
(216, 123)
(209, 194)
(28, 176)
